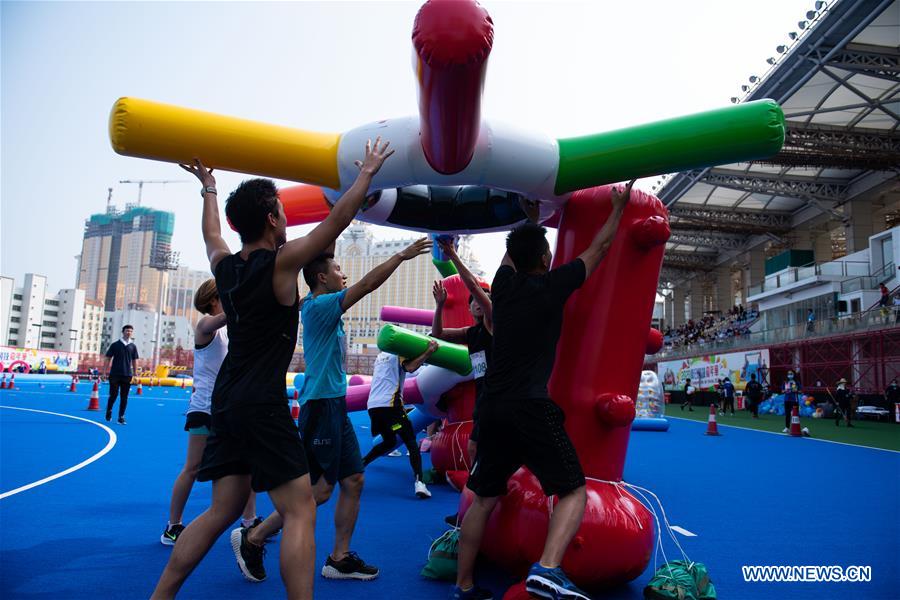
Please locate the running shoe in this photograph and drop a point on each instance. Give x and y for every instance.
(552, 583)
(249, 556)
(349, 567)
(473, 593)
(271, 537)
(122, 421)
(421, 490)
(170, 535)
(395, 453)
(108, 415)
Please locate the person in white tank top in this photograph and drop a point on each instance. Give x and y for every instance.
(210, 348)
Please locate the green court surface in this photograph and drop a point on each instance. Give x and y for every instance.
(885, 435)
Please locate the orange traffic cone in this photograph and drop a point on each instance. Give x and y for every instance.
(795, 423)
(94, 404)
(74, 381)
(12, 382)
(712, 428)
(3, 383)
(140, 388)
(295, 406)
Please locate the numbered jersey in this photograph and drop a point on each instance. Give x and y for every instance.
(480, 343)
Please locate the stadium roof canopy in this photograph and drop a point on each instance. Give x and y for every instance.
(838, 81)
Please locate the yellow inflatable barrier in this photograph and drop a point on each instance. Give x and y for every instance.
(158, 131)
(164, 381)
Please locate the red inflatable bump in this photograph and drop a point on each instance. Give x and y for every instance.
(652, 231)
(615, 410)
(654, 341)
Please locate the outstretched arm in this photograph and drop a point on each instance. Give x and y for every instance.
(216, 248)
(414, 363)
(604, 238)
(471, 284)
(456, 335)
(295, 254)
(377, 276)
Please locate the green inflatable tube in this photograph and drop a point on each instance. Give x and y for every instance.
(444, 267)
(717, 137)
(409, 344)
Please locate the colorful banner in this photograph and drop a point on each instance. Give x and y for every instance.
(53, 362)
(706, 371)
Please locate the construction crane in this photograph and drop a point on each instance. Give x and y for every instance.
(140, 183)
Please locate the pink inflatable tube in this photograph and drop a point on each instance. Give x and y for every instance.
(407, 316)
(358, 395)
(359, 379)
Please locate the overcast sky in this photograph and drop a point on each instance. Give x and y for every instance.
(564, 68)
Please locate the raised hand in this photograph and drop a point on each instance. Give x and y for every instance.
(375, 156)
(417, 248)
(439, 293)
(446, 246)
(620, 198)
(200, 172)
(432, 347)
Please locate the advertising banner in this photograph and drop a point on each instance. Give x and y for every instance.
(15, 359)
(706, 371)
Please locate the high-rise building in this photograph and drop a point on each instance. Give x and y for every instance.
(182, 285)
(118, 254)
(30, 317)
(358, 252)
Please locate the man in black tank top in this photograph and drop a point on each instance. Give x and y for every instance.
(253, 442)
(478, 337)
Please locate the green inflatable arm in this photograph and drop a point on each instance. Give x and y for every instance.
(716, 137)
(409, 344)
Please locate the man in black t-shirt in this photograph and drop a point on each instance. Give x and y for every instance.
(253, 441)
(123, 355)
(754, 393)
(519, 423)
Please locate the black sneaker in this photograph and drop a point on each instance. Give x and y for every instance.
(121, 420)
(473, 593)
(170, 535)
(452, 520)
(108, 416)
(256, 522)
(349, 567)
(249, 556)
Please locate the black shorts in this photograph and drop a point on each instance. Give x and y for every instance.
(389, 422)
(256, 440)
(329, 440)
(513, 433)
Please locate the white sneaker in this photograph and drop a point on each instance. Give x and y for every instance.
(395, 453)
(785, 430)
(421, 490)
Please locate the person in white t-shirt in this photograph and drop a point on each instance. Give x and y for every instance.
(387, 414)
(210, 348)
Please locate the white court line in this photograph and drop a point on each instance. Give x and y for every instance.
(784, 435)
(682, 531)
(81, 465)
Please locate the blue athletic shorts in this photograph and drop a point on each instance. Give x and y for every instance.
(328, 438)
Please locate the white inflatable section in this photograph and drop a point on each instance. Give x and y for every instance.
(433, 382)
(505, 157)
(651, 402)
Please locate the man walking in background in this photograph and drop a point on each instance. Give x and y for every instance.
(123, 355)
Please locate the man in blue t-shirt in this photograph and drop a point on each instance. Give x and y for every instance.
(328, 437)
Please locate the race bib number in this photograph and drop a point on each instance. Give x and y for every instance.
(479, 364)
